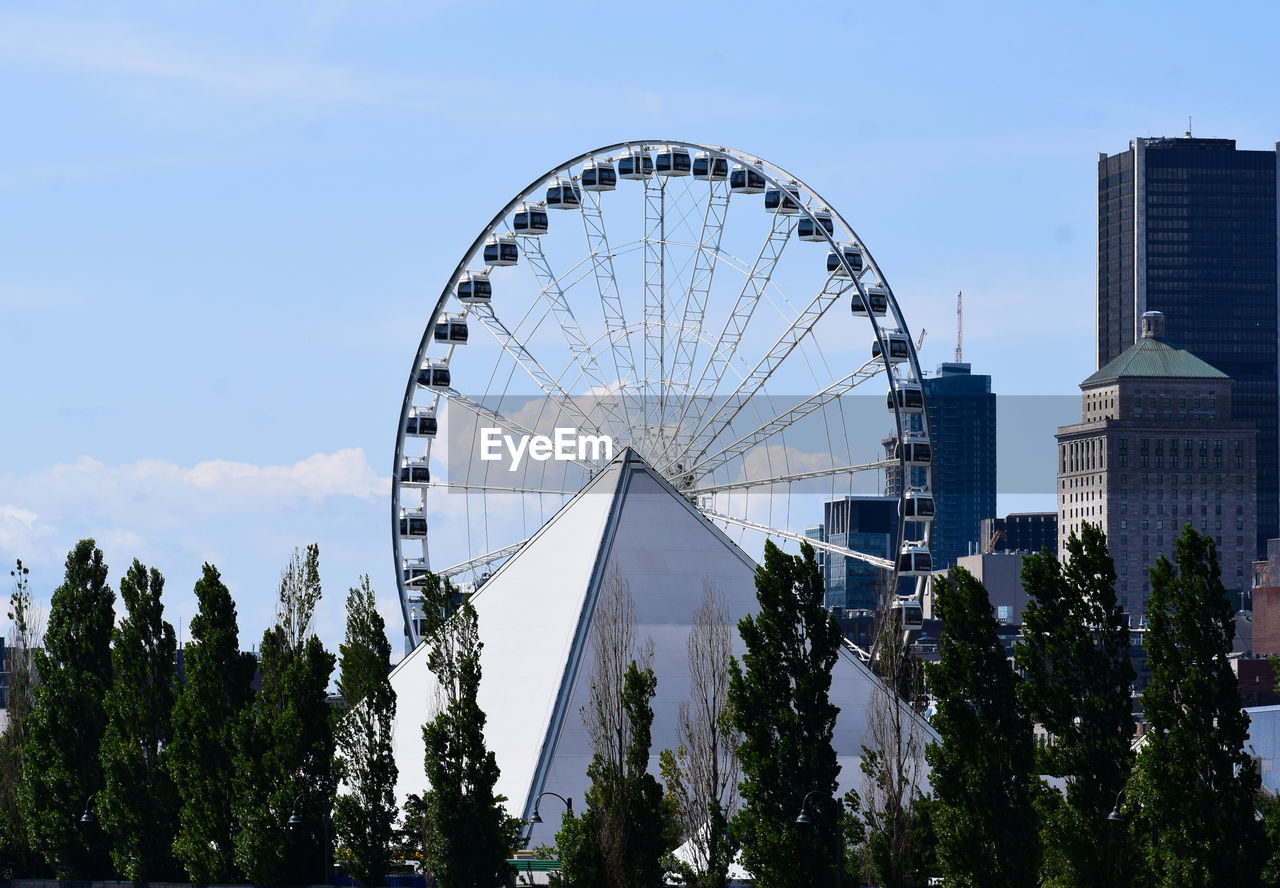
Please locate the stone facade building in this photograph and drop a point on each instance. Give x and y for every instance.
(1157, 447)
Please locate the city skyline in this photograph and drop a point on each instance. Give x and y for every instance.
(220, 246)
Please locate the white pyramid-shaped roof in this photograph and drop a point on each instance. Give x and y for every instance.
(535, 617)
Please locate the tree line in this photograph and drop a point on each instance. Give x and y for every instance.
(1025, 774)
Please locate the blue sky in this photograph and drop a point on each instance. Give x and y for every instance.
(221, 225)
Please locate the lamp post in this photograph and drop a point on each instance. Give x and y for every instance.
(295, 821)
(87, 817)
(1119, 819)
(537, 818)
(804, 820)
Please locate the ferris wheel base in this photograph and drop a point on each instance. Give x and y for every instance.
(535, 616)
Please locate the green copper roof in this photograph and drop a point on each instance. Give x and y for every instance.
(1154, 359)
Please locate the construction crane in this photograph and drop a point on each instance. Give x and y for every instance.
(960, 327)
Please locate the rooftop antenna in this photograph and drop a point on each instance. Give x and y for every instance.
(1188, 126)
(960, 327)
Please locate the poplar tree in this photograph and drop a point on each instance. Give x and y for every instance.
(780, 698)
(1074, 657)
(1196, 784)
(983, 762)
(16, 857)
(471, 835)
(215, 689)
(62, 772)
(138, 803)
(364, 815)
(285, 743)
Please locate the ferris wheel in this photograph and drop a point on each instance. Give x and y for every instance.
(696, 304)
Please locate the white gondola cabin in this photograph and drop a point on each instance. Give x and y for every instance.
(451, 329)
(852, 255)
(413, 524)
(918, 505)
(910, 614)
(434, 375)
(915, 561)
(877, 298)
(414, 472)
(598, 175)
(907, 397)
(475, 289)
(672, 161)
(782, 199)
(915, 450)
(414, 571)
(899, 346)
(709, 167)
(635, 164)
(563, 194)
(501, 251)
(746, 180)
(421, 422)
(810, 228)
(530, 220)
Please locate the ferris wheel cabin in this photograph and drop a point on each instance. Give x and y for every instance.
(414, 571)
(914, 451)
(746, 180)
(635, 164)
(910, 614)
(907, 397)
(899, 346)
(530, 220)
(414, 472)
(915, 561)
(563, 195)
(475, 289)
(434, 375)
(501, 251)
(451, 329)
(598, 175)
(673, 162)
(918, 506)
(811, 228)
(876, 297)
(413, 524)
(705, 166)
(783, 200)
(421, 423)
(852, 255)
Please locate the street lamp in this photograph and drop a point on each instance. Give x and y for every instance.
(804, 820)
(568, 806)
(87, 817)
(295, 821)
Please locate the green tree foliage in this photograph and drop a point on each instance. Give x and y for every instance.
(209, 700)
(1195, 782)
(364, 815)
(470, 836)
(61, 769)
(137, 805)
(16, 857)
(779, 695)
(1074, 657)
(619, 841)
(983, 762)
(285, 743)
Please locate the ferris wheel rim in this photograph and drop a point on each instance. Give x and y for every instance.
(773, 175)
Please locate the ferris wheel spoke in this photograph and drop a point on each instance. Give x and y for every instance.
(801, 326)
(832, 472)
(615, 321)
(503, 422)
(883, 563)
(550, 386)
(479, 561)
(695, 301)
(551, 290)
(494, 488)
(655, 284)
(748, 297)
(784, 420)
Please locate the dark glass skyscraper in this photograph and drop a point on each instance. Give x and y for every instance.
(1188, 227)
